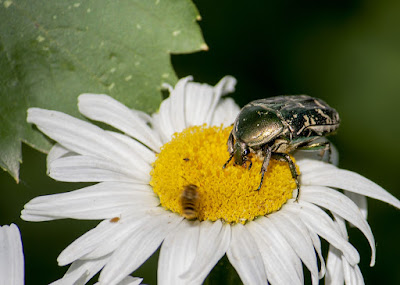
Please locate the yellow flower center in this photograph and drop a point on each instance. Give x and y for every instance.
(189, 179)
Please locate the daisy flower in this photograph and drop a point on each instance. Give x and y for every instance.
(11, 256)
(161, 182)
(12, 259)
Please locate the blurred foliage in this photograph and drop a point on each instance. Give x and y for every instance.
(345, 52)
(52, 51)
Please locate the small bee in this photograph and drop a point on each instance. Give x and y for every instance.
(189, 201)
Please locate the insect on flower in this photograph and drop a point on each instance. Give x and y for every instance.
(190, 201)
(276, 126)
(115, 220)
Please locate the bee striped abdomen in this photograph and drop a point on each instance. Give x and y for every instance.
(190, 201)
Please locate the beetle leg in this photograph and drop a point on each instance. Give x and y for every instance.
(230, 143)
(230, 149)
(285, 157)
(267, 157)
(226, 163)
(250, 164)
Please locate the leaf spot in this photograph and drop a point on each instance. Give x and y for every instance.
(112, 70)
(7, 4)
(88, 10)
(175, 33)
(112, 85)
(40, 39)
(54, 17)
(138, 26)
(165, 75)
(129, 77)
(76, 5)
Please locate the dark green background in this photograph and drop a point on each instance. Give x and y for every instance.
(345, 52)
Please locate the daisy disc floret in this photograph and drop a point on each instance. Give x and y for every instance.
(195, 156)
(142, 170)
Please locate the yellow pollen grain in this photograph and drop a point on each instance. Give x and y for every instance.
(196, 156)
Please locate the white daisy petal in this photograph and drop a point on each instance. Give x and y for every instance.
(85, 168)
(360, 201)
(214, 239)
(56, 152)
(225, 113)
(128, 280)
(350, 276)
(317, 245)
(101, 201)
(162, 127)
(36, 218)
(103, 239)
(171, 116)
(202, 111)
(280, 269)
(148, 156)
(177, 253)
(283, 246)
(128, 226)
(311, 166)
(325, 174)
(176, 105)
(318, 221)
(339, 270)
(334, 268)
(139, 246)
(82, 137)
(105, 109)
(225, 86)
(86, 243)
(298, 237)
(197, 110)
(359, 276)
(191, 104)
(11, 256)
(82, 271)
(245, 256)
(338, 203)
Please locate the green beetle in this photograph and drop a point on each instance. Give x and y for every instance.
(276, 126)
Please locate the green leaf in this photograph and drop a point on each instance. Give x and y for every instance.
(52, 51)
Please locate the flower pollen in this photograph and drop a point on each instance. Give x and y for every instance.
(195, 157)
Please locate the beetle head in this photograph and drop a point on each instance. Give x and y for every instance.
(256, 126)
(240, 152)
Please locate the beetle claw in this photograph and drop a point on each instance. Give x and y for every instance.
(298, 190)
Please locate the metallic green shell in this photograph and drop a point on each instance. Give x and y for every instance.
(293, 118)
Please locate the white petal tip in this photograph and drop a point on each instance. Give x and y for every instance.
(33, 113)
(227, 84)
